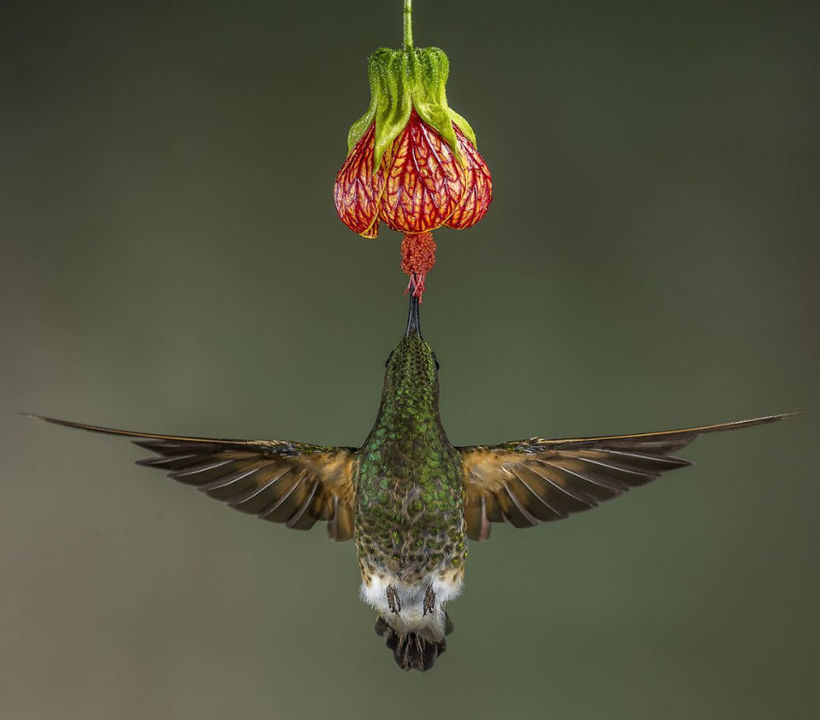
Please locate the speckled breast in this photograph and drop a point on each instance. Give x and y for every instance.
(410, 530)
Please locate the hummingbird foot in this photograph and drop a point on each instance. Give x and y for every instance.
(429, 601)
(393, 601)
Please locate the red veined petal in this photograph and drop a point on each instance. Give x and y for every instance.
(358, 189)
(424, 181)
(479, 186)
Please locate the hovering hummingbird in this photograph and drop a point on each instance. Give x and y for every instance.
(408, 496)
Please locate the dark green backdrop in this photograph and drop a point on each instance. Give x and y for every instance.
(171, 261)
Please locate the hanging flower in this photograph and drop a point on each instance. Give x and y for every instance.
(412, 161)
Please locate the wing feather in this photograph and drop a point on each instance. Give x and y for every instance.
(529, 481)
(288, 482)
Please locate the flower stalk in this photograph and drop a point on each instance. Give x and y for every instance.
(408, 24)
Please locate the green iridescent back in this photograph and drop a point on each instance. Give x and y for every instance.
(409, 496)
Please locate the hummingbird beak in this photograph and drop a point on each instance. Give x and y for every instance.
(413, 320)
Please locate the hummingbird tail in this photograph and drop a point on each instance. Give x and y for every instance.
(415, 649)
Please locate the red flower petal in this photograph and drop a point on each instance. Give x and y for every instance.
(476, 200)
(424, 182)
(358, 190)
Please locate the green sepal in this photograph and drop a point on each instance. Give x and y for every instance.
(464, 126)
(359, 128)
(429, 68)
(401, 80)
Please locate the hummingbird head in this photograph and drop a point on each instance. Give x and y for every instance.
(412, 369)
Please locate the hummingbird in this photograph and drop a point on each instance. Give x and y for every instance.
(409, 498)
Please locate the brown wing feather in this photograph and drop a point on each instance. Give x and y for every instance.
(288, 482)
(530, 481)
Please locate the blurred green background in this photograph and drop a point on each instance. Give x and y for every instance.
(171, 261)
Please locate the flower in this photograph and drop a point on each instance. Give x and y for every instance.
(413, 162)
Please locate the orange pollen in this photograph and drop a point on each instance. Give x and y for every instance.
(418, 255)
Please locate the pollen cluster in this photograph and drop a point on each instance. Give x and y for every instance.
(418, 255)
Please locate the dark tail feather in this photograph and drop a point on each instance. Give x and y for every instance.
(411, 650)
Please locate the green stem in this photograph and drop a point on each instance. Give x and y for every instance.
(408, 24)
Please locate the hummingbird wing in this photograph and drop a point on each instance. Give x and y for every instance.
(536, 480)
(289, 482)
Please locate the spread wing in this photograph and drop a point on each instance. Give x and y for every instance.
(288, 482)
(536, 480)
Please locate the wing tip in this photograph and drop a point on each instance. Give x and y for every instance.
(53, 420)
(146, 436)
(783, 416)
(686, 432)
(751, 422)
(85, 426)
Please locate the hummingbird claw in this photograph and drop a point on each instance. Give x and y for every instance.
(429, 601)
(393, 601)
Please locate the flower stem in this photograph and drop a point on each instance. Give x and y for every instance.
(408, 24)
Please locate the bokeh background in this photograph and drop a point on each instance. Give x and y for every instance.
(171, 261)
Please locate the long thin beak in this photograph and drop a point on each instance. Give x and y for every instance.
(413, 319)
